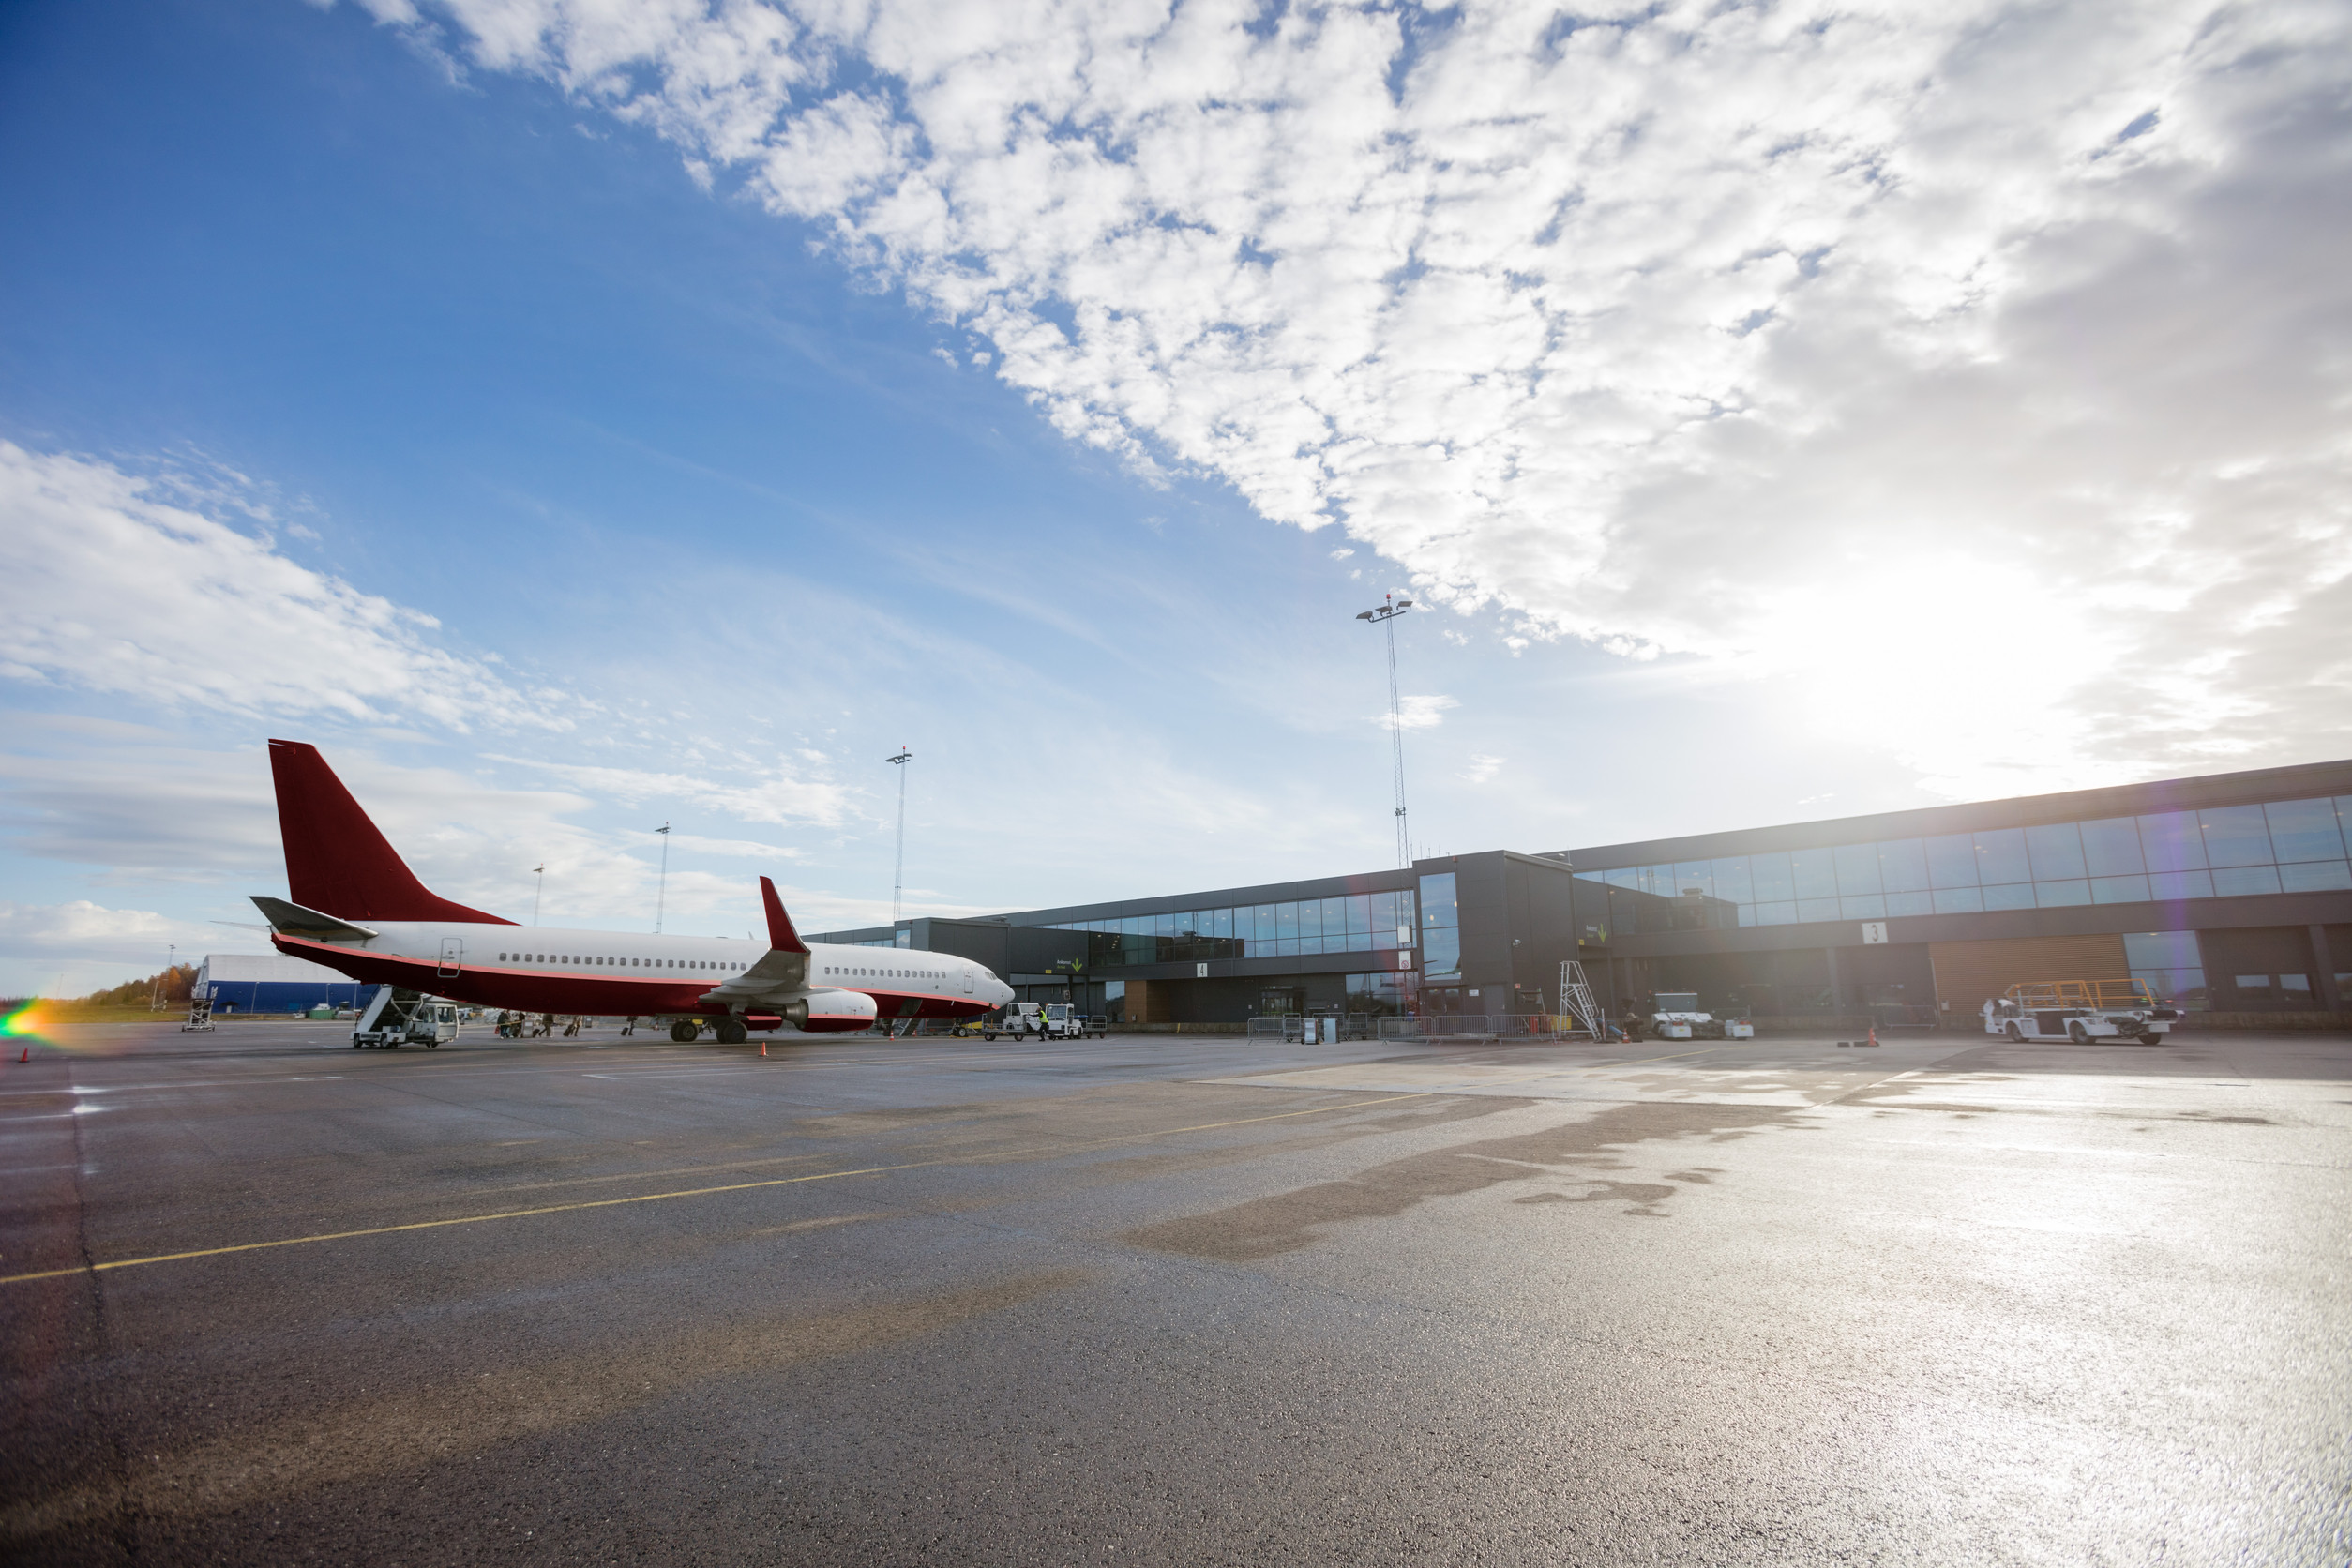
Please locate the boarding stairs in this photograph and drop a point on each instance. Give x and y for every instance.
(1576, 1000)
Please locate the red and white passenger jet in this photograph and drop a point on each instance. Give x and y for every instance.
(355, 907)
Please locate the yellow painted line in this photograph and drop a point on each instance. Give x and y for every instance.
(685, 1191)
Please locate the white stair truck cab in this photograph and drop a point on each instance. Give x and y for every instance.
(394, 1018)
(2081, 1011)
(1677, 1015)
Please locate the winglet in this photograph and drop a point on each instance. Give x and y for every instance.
(780, 933)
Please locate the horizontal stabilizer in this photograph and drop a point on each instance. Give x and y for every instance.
(295, 921)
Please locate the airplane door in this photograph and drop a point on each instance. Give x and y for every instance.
(966, 979)
(452, 957)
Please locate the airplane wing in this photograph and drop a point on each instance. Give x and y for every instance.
(783, 970)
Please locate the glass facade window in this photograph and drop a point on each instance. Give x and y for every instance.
(2170, 963)
(2236, 836)
(2056, 853)
(2171, 842)
(2001, 857)
(2315, 876)
(2111, 847)
(1772, 878)
(1857, 869)
(2119, 890)
(2233, 882)
(1903, 865)
(1440, 933)
(1816, 873)
(1347, 922)
(2299, 846)
(1951, 860)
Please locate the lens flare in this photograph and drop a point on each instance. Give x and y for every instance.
(34, 1023)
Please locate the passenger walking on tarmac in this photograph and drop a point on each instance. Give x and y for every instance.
(628, 1026)
(547, 1025)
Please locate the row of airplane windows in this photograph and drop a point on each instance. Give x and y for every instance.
(845, 971)
(617, 963)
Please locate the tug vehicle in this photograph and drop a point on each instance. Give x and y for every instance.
(2081, 1011)
(1677, 1015)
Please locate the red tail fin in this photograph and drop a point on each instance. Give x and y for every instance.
(337, 862)
(780, 933)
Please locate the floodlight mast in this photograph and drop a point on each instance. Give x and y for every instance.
(661, 889)
(1384, 616)
(899, 868)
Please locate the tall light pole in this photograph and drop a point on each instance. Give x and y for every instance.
(898, 869)
(539, 871)
(1384, 616)
(661, 889)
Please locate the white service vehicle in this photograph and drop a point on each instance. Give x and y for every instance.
(397, 1018)
(2081, 1011)
(1677, 1015)
(1054, 1020)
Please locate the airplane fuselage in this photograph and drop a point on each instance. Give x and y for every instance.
(546, 970)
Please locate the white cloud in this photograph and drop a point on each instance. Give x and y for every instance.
(109, 584)
(1416, 712)
(782, 798)
(1482, 767)
(79, 934)
(1864, 349)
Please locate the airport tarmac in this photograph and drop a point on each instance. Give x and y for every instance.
(1169, 1299)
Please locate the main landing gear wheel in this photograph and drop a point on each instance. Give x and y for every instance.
(730, 1032)
(684, 1032)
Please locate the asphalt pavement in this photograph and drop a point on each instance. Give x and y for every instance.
(1174, 1300)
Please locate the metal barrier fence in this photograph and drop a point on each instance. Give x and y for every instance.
(1432, 1026)
(1498, 1026)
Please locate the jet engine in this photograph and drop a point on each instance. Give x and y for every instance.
(829, 1012)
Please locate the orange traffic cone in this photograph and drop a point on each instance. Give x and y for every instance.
(1873, 1033)
(27, 1056)
(764, 1047)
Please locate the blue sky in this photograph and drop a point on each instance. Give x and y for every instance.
(571, 428)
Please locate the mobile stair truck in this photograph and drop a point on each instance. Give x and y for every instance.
(2081, 1011)
(394, 1018)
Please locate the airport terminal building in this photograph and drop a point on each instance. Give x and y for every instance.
(2230, 893)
